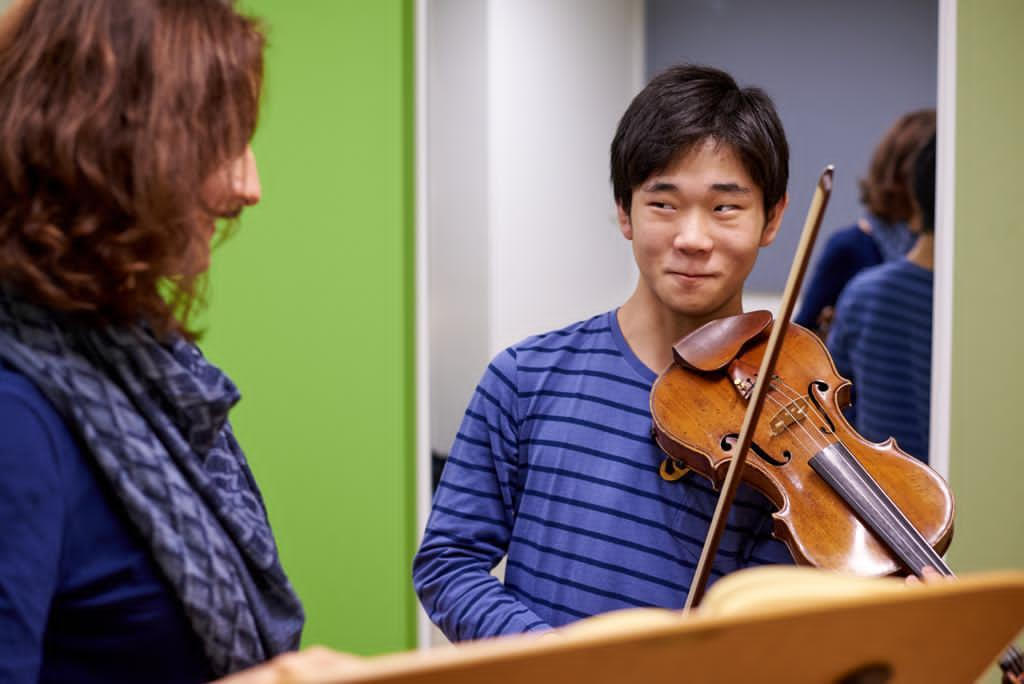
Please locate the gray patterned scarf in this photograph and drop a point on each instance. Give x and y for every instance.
(893, 239)
(154, 417)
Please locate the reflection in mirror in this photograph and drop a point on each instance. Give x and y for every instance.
(522, 100)
(870, 296)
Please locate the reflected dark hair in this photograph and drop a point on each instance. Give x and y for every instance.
(924, 185)
(113, 114)
(686, 105)
(886, 190)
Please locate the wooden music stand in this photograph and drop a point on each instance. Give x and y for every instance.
(945, 631)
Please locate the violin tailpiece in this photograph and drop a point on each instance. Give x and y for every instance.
(743, 377)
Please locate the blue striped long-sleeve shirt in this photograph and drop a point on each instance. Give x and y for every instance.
(554, 465)
(881, 339)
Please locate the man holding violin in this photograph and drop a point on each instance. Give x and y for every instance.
(554, 464)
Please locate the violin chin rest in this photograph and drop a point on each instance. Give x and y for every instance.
(713, 345)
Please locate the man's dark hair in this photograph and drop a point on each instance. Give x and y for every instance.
(924, 185)
(686, 105)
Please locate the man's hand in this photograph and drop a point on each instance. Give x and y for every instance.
(928, 575)
(824, 321)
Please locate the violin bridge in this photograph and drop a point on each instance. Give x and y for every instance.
(790, 414)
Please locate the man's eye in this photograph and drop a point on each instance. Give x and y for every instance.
(660, 205)
(721, 208)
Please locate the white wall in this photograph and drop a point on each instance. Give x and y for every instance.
(523, 99)
(456, 185)
(561, 74)
(517, 103)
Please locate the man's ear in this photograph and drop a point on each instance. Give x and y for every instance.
(771, 227)
(625, 227)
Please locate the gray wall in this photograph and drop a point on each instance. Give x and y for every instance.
(840, 73)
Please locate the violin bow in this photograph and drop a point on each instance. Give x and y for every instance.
(732, 479)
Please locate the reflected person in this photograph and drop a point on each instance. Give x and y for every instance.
(881, 338)
(881, 234)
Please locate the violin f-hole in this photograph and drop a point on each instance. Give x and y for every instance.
(730, 439)
(821, 386)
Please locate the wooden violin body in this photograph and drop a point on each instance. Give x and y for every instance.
(698, 404)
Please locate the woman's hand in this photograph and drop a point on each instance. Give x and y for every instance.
(314, 664)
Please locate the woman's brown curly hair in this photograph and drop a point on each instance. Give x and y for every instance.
(887, 191)
(113, 114)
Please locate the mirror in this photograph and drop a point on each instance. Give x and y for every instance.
(521, 101)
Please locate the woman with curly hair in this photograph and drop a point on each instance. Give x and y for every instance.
(882, 234)
(135, 545)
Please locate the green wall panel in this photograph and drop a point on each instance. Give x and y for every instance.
(311, 312)
(988, 319)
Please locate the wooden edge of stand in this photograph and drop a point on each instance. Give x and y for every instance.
(940, 631)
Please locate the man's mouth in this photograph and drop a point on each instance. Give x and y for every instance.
(691, 275)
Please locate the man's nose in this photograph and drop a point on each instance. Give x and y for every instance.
(692, 234)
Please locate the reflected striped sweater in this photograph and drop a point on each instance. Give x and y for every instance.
(554, 465)
(881, 340)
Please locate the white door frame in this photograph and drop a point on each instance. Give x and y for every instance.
(943, 296)
(945, 179)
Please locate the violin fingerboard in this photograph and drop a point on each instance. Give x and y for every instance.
(848, 478)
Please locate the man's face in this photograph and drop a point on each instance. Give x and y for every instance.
(696, 228)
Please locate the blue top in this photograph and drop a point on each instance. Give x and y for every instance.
(81, 600)
(554, 464)
(881, 339)
(847, 252)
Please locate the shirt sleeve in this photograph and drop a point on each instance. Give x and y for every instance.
(31, 517)
(471, 520)
(839, 262)
(841, 336)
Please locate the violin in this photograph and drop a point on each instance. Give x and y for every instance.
(843, 502)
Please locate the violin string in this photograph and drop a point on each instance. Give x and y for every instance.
(924, 554)
(796, 421)
(795, 395)
(1018, 660)
(929, 555)
(812, 435)
(816, 440)
(1012, 660)
(816, 436)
